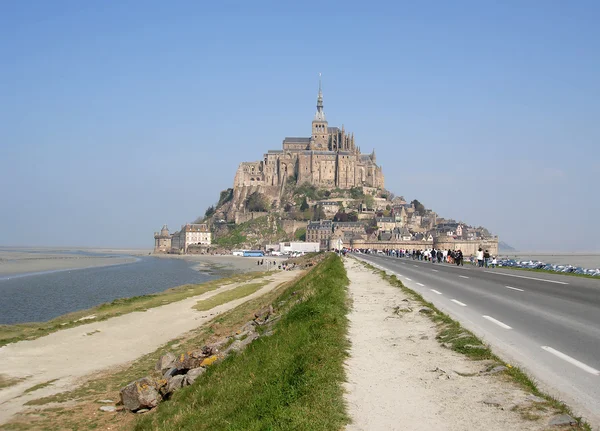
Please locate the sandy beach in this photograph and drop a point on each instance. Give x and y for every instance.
(24, 262)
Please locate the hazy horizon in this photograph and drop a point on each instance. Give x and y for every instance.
(119, 118)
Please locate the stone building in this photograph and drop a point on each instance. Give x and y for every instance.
(190, 234)
(162, 240)
(321, 232)
(329, 158)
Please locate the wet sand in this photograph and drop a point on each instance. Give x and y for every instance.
(23, 262)
(226, 263)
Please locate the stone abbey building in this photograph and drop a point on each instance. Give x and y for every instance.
(329, 158)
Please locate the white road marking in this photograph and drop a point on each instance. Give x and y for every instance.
(408, 278)
(529, 278)
(514, 288)
(435, 291)
(421, 284)
(416, 266)
(572, 360)
(463, 276)
(497, 322)
(458, 302)
(435, 270)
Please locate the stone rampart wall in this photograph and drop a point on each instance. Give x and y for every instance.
(383, 245)
(241, 217)
(290, 226)
(468, 248)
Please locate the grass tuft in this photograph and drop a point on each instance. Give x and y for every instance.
(39, 386)
(230, 295)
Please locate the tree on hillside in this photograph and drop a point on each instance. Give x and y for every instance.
(319, 213)
(225, 196)
(257, 202)
(300, 234)
(209, 211)
(372, 226)
(356, 192)
(419, 207)
(353, 216)
(368, 201)
(340, 216)
(304, 204)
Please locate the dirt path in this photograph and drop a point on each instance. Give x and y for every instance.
(401, 378)
(71, 354)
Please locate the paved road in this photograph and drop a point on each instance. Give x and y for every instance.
(548, 324)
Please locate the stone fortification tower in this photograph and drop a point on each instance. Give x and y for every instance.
(162, 240)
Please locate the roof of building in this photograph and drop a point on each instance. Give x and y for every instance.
(296, 140)
(195, 227)
(384, 219)
(386, 236)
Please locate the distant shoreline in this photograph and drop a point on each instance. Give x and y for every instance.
(23, 264)
(582, 259)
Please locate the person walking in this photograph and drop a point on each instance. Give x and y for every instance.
(440, 256)
(494, 261)
(480, 257)
(486, 258)
(458, 258)
(433, 255)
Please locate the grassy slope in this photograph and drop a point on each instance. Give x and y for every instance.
(30, 331)
(290, 380)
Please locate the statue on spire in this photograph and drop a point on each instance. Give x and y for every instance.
(320, 115)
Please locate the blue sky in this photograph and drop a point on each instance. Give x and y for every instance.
(118, 117)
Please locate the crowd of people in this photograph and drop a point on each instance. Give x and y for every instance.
(285, 266)
(455, 257)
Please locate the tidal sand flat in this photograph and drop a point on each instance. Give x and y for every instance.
(30, 262)
(227, 263)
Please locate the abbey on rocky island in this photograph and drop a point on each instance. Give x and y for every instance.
(329, 158)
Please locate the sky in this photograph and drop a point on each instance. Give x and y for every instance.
(119, 117)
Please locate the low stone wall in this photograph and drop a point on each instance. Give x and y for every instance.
(290, 226)
(241, 217)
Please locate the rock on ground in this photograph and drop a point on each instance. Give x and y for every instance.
(193, 374)
(140, 394)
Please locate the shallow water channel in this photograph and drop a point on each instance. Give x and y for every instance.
(41, 297)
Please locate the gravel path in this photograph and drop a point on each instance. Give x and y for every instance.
(401, 378)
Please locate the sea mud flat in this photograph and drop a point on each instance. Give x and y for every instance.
(24, 262)
(226, 262)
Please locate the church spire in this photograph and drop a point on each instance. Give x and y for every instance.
(320, 115)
